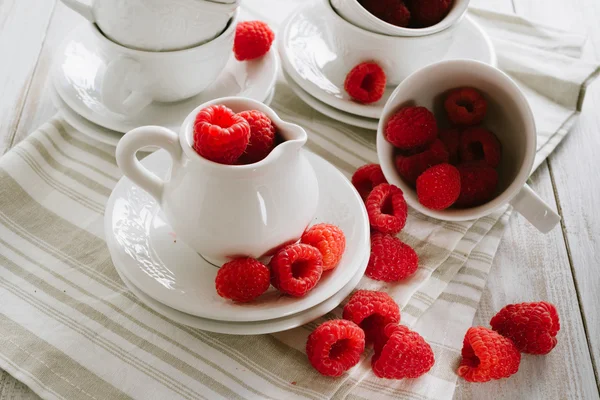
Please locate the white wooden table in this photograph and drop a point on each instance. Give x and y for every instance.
(562, 267)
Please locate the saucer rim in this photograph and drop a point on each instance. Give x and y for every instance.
(109, 119)
(347, 105)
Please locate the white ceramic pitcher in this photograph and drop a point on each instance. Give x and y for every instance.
(225, 211)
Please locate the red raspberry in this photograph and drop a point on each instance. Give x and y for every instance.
(335, 347)
(391, 260)
(480, 144)
(372, 311)
(531, 326)
(478, 183)
(487, 355)
(366, 82)
(465, 106)
(262, 136)
(387, 209)
(451, 139)
(220, 135)
(402, 354)
(391, 11)
(253, 39)
(429, 12)
(439, 187)
(412, 166)
(242, 279)
(296, 269)
(410, 128)
(366, 178)
(329, 240)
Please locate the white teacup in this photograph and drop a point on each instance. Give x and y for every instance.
(398, 56)
(509, 117)
(133, 78)
(157, 25)
(353, 12)
(224, 211)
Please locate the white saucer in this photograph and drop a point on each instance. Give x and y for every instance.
(347, 118)
(146, 251)
(95, 131)
(79, 62)
(308, 56)
(249, 328)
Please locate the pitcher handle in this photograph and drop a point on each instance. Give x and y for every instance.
(122, 86)
(137, 139)
(535, 210)
(84, 9)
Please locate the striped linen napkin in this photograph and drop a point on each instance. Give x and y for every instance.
(69, 328)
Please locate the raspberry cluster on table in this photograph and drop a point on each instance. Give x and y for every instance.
(372, 317)
(458, 166)
(409, 13)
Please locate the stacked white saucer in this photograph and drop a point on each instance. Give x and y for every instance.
(150, 63)
(318, 47)
(174, 280)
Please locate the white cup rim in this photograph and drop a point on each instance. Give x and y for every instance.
(449, 20)
(380, 36)
(99, 35)
(503, 198)
(186, 134)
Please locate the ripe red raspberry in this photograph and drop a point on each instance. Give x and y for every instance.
(531, 326)
(387, 209)
(329, 240)
(439, 186)
(262, 136)
(366, 178)
(487, 355)
(366, 82)
(220, 135)
(335, 347)
(391, 260)
(451, 139)
(296, 269)
(429, 12)
(372, 311)
(411, 128)
(478, 144)
(412, 166)
(242, 279)
(478, 183)
(253, 39)
(391, 11)
(465, 106)
(402, 354)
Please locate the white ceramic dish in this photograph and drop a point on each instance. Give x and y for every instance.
(347, 118)
(132, 79)
(318, 59)
(508, 116)
(156, 25)
(249, 328)
(95, 131)
(76, 76)
(353, 12)
(146, 251)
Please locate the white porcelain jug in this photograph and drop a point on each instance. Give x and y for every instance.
(225, 211)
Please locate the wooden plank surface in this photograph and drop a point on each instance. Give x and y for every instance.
(23, 27)
(529, 266)
(575, 163)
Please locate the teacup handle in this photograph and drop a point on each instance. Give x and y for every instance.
(80, 7)
(122, 86)
(535, 210)
(137, 139)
